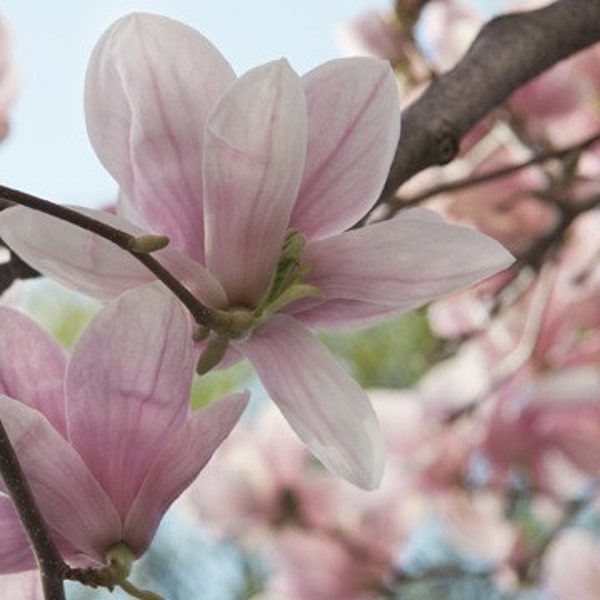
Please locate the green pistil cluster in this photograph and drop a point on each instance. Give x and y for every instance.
(286, 286)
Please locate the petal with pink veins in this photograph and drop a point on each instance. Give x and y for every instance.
(15, 552)
(323, 404)
(90, 264)
(353, 129)
(335, 314)
(404, 262)
(71, 255)
(150, 85)
(254, 156)
(177, 466)
(24, 586)
(127, 388)
(70, 499)
(32, 366)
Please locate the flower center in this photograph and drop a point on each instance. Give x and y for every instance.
(286, 286)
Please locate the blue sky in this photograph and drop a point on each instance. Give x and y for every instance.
(48, 153)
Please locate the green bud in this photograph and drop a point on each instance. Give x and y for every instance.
(212, 354)
(201, 333)
(145, 244)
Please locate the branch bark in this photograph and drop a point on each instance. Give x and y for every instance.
(509, 51)
(51, 565)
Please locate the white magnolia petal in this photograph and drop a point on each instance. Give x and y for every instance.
(254, 156)
(70, 499)
(73, 256)
(354, 123)
(404, 262)
(322, 403)
(178, 465)
(128, 386)
(150, 85)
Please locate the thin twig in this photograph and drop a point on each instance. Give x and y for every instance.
(201, 313)
(474, 180)
(50, 563)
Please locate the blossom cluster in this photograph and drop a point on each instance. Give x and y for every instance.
(493, 456)
(254, 185)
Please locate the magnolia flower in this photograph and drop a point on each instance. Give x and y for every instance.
(105, 439)
(256, 181)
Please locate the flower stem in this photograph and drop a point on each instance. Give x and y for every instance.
(50, 563)
(201, 313)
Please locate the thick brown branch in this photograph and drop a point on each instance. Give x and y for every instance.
(509, 51)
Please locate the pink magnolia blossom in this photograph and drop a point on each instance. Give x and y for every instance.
(256, 181)
(106, 439)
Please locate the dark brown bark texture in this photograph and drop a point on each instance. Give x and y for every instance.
(509, 51)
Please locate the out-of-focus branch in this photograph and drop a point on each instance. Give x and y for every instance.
(509, 51)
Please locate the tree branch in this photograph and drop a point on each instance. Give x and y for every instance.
(50, 563)
(509, 51)
(202, 314)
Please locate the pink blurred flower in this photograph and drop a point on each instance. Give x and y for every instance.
(259, 482)
(449, 27)
(24, 586)
(560, 106)
(378, 34)
(263, 489)
(538, 420)
(477, 525)
(506, 208)
(317, 566)
(571, 568)
(257, 179)
(105, 439)
(8, 77)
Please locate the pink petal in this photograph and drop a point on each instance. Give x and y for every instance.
(178, 465)
(193, 276)
(128, 386)
(92, 265)
(354, 123)
(71, 255)
(322, 403)
(333, 314)
(255, 149)
(69, 497)
(404, 262)
(32, 366)
(24, 586)
(15, 552)
(150, 84)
